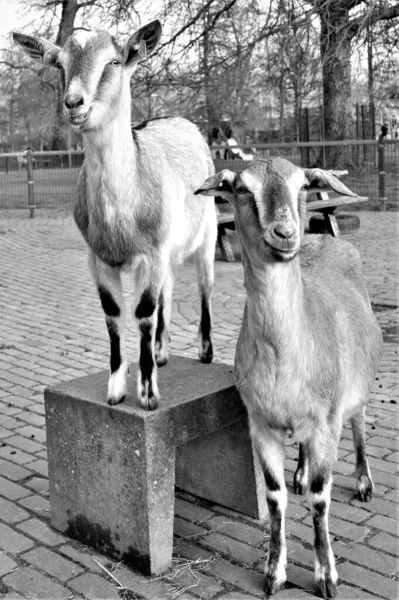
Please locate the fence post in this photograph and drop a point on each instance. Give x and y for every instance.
(381, 175)
(31, 183)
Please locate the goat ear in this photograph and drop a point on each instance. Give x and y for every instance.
(37, 49)
(142, 43)
(321, 178)
(220, 184)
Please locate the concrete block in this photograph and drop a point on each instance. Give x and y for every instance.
(112, 468)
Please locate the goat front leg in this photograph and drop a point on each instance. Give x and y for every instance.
(364, 483)
(301, 475)
(109, 286)
(322, 451)
(270, 447)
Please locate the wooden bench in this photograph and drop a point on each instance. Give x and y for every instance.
(327, 203)
(113, 469)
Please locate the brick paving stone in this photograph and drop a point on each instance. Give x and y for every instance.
(12, 490)
(192, 512)
(83, 557)
(42, 532)
(33, 419)
(32, 433)
(232, 549)
(369, 581)
(195, 582)
(11, 513)
(7, 565)
(236, 530)
(25, 444)
(186, 529)
(301, 578)
(13, 471)
(245, 579)
(37, 504)
(13, 454)
(35, 585)
(150, 589)
(367, 557)
(384, 523)
(385, 542)
(93, 586)
(13, 542)
(53, 564)
(347, 592)
(38, 484)
(39, 466)
(5, 433)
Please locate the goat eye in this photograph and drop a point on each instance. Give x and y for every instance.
(116, 63)
(242, 190)
(58, 65)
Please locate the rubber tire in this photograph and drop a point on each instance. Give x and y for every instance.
(347, 223)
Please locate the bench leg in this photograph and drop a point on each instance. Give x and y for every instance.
(111, 483)
(224, 244)
(334, 225)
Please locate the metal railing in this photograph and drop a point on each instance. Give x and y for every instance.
(48, 179)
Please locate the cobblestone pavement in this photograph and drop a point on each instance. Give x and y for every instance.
(52, 329)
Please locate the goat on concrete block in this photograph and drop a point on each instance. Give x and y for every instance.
(308, 349)
(135, 205)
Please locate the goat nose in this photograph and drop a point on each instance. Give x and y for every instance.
(284, 231)
(73, 100)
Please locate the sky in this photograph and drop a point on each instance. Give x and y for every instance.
(10, 18)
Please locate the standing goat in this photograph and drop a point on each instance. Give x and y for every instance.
(308, 349)
(135, 205)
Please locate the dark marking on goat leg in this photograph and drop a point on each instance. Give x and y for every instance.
(271, 482)
(146, 306)
(108, 303)
(326, 583)
(206, 352)
(115, 359)
(161, 336)
(270, 584)
(300, 476)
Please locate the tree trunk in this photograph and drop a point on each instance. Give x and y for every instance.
(66, 28)
(335, 48)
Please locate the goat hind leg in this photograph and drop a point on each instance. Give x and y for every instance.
(270, 448)
(364, 483)
(162, 337)
(146, 314)
(302, 472)
(204, 261)
(319, 496)
(109, 288)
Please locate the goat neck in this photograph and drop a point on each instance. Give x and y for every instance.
(274, 295)
(112, 146)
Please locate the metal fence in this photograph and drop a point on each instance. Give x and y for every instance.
(48, 179)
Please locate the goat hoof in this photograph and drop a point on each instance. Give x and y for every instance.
(206, 352)
(327, 587)
(112, 401)
(271, 585)
(161, 360)
(149, 402)
(364, 487)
